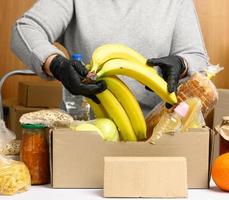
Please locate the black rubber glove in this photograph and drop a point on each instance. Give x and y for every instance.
(172, 67)
(71, 73)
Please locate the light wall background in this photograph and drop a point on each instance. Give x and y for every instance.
(213, 15)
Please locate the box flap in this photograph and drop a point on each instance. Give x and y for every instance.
(145, 177)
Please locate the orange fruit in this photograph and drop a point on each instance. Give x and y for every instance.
(220, 172)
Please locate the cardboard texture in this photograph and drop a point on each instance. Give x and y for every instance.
(12, 114)
(39, 94)
(221, 109)
(145, 177)
(15, 112)
(78, 157)
(222, 106)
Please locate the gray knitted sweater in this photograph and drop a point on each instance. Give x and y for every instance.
(154, 28)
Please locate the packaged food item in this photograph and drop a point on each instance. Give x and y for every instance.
(35, 152)
(12, 148)
(223, 131)
(194, 117)
(49, 118)
(154, 117)
(200, 85)
(170, 122)
(5, 135)
(76, 105)
(14, 176)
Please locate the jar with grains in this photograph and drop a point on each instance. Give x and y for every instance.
(224, 135)
(35, 152)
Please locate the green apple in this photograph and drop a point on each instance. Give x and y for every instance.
(103, 126)
(108, 129)
(87, 127)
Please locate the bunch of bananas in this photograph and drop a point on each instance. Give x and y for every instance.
(117, 102)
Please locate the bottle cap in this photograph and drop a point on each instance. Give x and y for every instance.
(77, 56)
(182, 109)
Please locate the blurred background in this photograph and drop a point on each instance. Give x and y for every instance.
(213, 16)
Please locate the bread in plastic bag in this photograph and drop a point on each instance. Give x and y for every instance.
(49, 117)
(199, 85)
(14, 176)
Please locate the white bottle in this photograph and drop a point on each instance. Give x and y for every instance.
(170, 122)
(76, 105)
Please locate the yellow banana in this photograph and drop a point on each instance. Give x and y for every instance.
(117, 114)
(98, 109)
(129, 103)
(142, 73)
(110, 51)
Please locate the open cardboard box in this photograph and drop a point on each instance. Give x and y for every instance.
(77, 158)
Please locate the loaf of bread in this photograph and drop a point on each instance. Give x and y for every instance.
(199, 86)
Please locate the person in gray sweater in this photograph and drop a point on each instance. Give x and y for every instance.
(165, 31)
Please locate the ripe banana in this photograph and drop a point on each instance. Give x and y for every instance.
(142, 73)
(111, 51)
(129, 103)
(117, 114)
(98, 109)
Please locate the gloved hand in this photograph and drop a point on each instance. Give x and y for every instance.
(71, 73)
(172, 67)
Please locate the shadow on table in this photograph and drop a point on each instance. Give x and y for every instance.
(216, 189)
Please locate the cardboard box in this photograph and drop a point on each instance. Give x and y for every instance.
(40, 94)
(145, 177)
(221, 109)
(12, 114)
(15, 112)
(222, 106)
(77, 158)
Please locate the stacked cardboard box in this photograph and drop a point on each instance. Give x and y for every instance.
(32, 96)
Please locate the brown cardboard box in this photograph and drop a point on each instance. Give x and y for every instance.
(222, 106)
(39, 94)
(221, 109)
(145, 177)
(12, 114)
(77, 158)
(15, 112)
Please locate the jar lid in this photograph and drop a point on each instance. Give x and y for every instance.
(33, 126)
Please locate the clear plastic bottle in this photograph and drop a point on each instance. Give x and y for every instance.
(76, 105)
(170, 122)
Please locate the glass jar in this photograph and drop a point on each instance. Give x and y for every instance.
(34, 152)
(224, 135)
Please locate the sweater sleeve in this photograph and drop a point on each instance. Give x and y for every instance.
(187, 39)
(35, 32)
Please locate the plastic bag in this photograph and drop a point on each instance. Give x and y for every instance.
(154, 117)
(198, 85)
(14, 176)
(5, 135)
(50, 118)
(201, 86)
(194, 117)
(11, 148)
